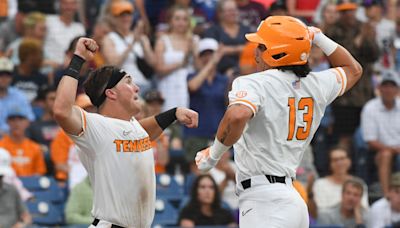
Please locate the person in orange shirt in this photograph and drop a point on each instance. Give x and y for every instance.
(27, 156)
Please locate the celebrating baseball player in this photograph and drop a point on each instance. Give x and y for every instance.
(113, 146)
(272, 117)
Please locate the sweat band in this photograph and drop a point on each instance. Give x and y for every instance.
(166, 118)
(75, 66)
(218, 149)
(327, 45)
(116, 76)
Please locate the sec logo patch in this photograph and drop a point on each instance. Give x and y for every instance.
(241, 94)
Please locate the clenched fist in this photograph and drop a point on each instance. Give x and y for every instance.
(86, 48)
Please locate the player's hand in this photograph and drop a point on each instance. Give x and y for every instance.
(187, 117)
(86, 48)
(203, 160)
(314, 31)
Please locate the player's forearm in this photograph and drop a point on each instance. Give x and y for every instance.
(151, 126)
(65, 97)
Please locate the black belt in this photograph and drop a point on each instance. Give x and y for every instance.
(96, 221)
(272, 179)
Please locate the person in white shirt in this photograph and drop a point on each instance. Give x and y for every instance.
(386, 211)
(113, 146)
(380, 126)
(272, 117)
(61, 30)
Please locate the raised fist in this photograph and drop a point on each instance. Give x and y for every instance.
(86, 48)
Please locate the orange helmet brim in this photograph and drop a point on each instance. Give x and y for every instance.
(255, 38)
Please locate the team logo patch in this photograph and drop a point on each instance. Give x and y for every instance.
(241, 94)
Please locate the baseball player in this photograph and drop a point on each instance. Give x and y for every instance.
(113, 146)
(272, 117)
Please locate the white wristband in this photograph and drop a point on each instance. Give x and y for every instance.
(327, 45)
(218, 149)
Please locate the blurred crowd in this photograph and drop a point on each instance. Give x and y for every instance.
(186, 53)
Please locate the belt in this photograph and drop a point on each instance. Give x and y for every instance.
(272, 179)
(96, 221)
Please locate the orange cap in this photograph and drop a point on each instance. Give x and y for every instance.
(346, 6)
(119, 7)
(287, 39)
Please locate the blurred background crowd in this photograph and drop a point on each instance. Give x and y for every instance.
(186, 53)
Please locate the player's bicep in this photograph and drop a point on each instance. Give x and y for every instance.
(75, 123)
(333, 83)
(246, 92)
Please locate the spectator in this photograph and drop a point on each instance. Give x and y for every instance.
(153, 103)
(45, 129)
(380, 125)
(385, 30)
(359, 39)
(26, 76)
(13, 28)
(349, 212)
(327, 190)
(10, 97)
(251, 13)
(386, 211)
(122, 47)
(79, 204)
(208, 89)
(198, 17)
(174, 51)
(27, 156)
(10, 177)
(13, 212)
(204, 207)
(229, 32)
(61, 29)
(329, 15)
(34, 26)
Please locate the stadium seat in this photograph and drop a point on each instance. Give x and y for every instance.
(168, 188)
(165, 214)
(44, 213)
(52, 195)
(39, 183)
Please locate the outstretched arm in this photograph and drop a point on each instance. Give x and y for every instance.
(154, 125)
(66, 114)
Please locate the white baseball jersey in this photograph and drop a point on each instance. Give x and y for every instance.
(118, 157)
(287, 112)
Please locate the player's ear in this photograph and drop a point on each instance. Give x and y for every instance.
(111, 94)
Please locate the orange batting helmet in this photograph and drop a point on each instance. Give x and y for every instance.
(287, 39)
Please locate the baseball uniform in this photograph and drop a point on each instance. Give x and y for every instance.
(287, 112)
(118, 157)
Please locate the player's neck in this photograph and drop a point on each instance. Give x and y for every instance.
(116, 112)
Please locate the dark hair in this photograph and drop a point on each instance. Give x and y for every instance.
(355, 182)
(299, 70)
(194, 200)
(97, 81)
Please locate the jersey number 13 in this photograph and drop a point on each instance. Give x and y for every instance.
(306, 104)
